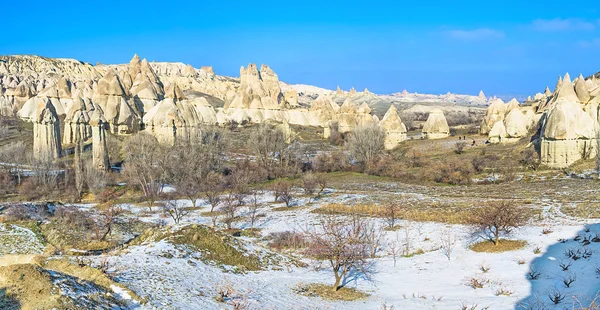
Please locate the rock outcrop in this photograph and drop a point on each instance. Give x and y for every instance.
(567, 135)
(99, 127)
(46, 132)
(394, 129)
(494, 113)
(436, 126)
(110, 97)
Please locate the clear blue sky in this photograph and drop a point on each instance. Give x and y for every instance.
(502, 47)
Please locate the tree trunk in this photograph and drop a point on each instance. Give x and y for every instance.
(336, 285)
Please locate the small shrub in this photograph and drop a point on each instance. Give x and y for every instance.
(287, 240)
(555, 295)
(459, 147)
(533, 274)
(565, 265)
(569, 279)
(484, 268)
(503, 292)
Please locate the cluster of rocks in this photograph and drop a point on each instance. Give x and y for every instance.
(568, 127)
(172, 101)
(563, 123)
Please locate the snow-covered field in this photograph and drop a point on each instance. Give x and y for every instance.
(181, 280)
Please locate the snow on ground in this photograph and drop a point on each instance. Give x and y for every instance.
(19, 240)
(181, 280)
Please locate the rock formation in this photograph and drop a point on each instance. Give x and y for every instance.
(99, 126)
(110, 97)
(498, 133)
(436, 126)
(46, 132)
(77, 121)
(482, 95)
(494, 113)
(395, 130)
(567, 135)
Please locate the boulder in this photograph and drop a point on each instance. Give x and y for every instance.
(436, 126)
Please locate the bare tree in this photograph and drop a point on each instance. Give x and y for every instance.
(345, 246)
(448, 242)
(213, 187)
(107, 219)
(322, 182)
(12, 159)
(282, 190)
(498, 218)
(268, 145)
(395, 248)
(175, 209)
(145, 165)
(229, 208)
(366, 144)
(309, 184)
(392, 213)
(254, 205)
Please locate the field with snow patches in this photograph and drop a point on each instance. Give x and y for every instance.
(169, 276)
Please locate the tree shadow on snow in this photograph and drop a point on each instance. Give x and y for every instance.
(567, 275)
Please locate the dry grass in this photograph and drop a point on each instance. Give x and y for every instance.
(504, 245)
(443, 213)
(327, 292)
(583, 210)
(215, 246)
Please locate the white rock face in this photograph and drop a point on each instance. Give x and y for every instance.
(568, 135)
(395, 130)
(99, 126)
(46, 132)
(436, 126)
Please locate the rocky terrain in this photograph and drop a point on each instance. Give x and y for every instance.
(151, 185)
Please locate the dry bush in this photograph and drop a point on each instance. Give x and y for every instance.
(366, 144)
(283, 191)
(459, 147)
(330, 162)
(268, 144)
(497, 218)
(447, 243)
(287, 240)
(309, 183)
(455, 172)
(335, 137)
(530, 159)
(145, 164)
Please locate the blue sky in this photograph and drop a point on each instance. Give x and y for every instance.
(502, 47)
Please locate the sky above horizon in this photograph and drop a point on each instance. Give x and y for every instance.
(503, 48)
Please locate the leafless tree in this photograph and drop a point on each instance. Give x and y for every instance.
(448, 243)
(12, 158)
(213, 187)
(498, 217)
(309, 184)
(344, 246)
(407, 240)
(255, 195)
(107, 219)
(145, 165)
(283, 192)
(392, 213)
(395, 248)
(322, 182)
(229, 208)
(268, 145)
(95, 180)
(366, 144)
(175, 209)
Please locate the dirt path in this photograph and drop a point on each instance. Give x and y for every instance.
(12, 259)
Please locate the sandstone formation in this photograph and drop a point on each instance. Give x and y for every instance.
(436, 126)
(395, 130)
(46, 132)
(110, 97)
(567, 135)
(99, 126)
(494, 113)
